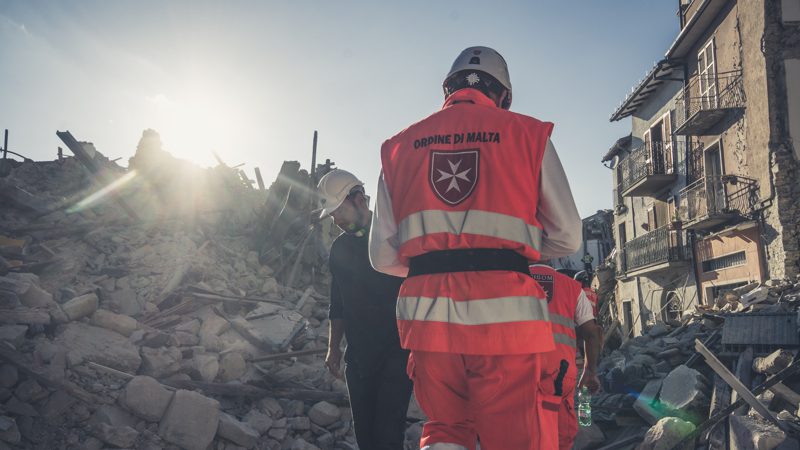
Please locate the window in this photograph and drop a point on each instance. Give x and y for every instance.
(627, 311)
(715, 291)
(707, 72)
(724, 262)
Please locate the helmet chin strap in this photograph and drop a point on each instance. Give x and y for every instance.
(359, 231)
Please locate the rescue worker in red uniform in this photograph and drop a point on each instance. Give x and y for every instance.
(572, 317)
(466, 199)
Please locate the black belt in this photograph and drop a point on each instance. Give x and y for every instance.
(467, 260)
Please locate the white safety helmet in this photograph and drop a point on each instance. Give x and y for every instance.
(482, 59)
(333, 189)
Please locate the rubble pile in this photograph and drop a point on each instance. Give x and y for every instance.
(199, 321)
(659, 390)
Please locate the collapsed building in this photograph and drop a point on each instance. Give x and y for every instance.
(164, 305)
(702, 287)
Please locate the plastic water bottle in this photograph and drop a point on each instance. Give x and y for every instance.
(584, 407)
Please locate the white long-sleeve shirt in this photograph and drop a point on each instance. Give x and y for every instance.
(562, 233)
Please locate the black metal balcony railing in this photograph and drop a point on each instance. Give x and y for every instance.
(718, 198)
(647, 160)
(705, 99)
(662, 245)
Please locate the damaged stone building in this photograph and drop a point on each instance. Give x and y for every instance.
(706, 184)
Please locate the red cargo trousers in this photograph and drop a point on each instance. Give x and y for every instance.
(494, 397)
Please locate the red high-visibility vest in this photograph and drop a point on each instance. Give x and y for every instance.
(562, 300)
(592, 296)
(468, 177)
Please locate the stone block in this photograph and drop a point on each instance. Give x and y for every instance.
(206, 365)
(324, 413)
(258, 421)
(665, 434)
(773, 363)
(120, 323)
(146, 397)
(271, 407)
(750, 432)
(124, 301)
(15, 334)
(232, 366)
(587, 437)
(191, 420)
(121, 437)
(87, 342)
(9, 375)
(237, 432)
(30, 391)
(80, 307)
(113, 415)
(9, 432)
(160, 362)
(37, 297)
(299, 423)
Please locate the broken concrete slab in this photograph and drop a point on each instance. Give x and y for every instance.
(647, 404)
(749, 432)
(146, 397)
(120, 323)
(191, 420)
(237, 432)
(684, 389)
(86, 342)
(82, 306)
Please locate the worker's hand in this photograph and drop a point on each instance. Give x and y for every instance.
(590, 380)
(333, 361)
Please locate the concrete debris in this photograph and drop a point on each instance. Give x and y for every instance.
(191, 420)
(774, 362)
(684, 389)
(658, 378)
(211, 288)
(324, 413)
(754, 433)
(146, 398)
(237, 432)
(666, 434)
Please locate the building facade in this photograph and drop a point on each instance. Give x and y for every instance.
(706, 185)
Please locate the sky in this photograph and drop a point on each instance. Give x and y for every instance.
(252, 80)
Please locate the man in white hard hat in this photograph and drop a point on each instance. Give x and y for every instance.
(466, 199)
(362, 308)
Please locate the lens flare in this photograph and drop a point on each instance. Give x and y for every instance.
(102, 193)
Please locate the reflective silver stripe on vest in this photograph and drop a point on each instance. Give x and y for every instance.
(483, 223)
(562, 320)
(472, 312)
(562, 338)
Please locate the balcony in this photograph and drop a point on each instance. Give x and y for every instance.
(715, 200)
(659, 250)
(706, 100)
(647, 170)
